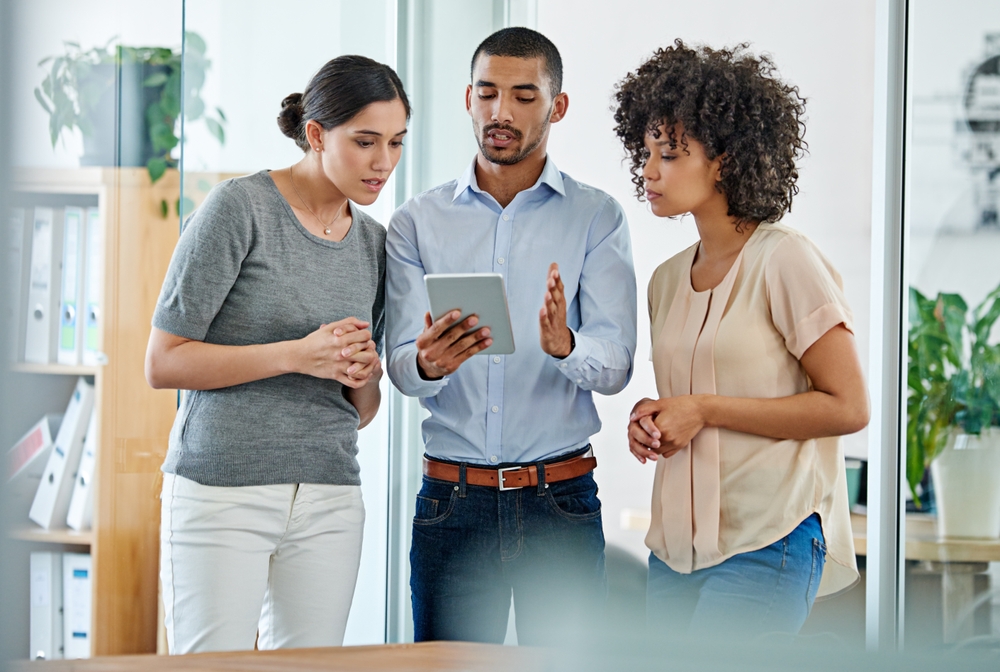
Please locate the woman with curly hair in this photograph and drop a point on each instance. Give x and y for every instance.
(756, 367)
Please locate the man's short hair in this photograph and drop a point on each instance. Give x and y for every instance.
(523, 43)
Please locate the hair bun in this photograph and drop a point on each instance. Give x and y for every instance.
(290, 117)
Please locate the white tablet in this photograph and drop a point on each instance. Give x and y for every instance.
(480, 294)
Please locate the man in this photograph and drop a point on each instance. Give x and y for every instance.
(508, 503)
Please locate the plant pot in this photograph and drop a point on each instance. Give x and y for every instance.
(966, 479)
(120, 132)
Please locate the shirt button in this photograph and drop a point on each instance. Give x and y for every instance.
(493, 459)
(563, 365)
(505, 218)
(495, 409)
(500, 260)
(496, 360)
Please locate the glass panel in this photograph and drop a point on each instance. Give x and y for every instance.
(241, 59)
(94, 108)
(952, 187)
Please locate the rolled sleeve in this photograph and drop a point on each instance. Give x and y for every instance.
(805, 293)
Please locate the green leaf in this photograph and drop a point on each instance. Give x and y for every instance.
(156, 167)
(184, 206)
(164, 208)
(163, 138)
(41, 100)
(193, 42)
(221, 114)
(195, 108)
(215, 128)
(155, 79)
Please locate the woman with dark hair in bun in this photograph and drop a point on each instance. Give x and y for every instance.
(272, 317)
(756, 367)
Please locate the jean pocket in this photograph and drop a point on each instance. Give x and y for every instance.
(429, 510)
(574, 503)
(816, 573)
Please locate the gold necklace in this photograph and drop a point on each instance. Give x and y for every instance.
(326, 228)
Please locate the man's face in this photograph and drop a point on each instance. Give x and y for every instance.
(511, 107)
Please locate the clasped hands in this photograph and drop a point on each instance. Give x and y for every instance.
(343, 351)
(445, 344)
(664, 426)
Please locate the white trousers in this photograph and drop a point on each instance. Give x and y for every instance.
(275, 563)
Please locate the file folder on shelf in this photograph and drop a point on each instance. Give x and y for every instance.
(51, 504)
(18, 274)
(81, 504)
(26, 461)
(70, 348)
(94, 275)
(45, 629)
(76, 605)
(42, 306)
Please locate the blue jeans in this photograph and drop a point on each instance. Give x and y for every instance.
(474, 546)
(768, 590)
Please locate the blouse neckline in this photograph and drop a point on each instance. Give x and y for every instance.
(734, 268)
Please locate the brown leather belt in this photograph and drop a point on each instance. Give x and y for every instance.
(510, 478)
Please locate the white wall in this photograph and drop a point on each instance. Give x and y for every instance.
(827, 49)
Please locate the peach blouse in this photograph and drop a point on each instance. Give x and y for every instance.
(729, 492)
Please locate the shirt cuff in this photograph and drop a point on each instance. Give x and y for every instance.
(411, 383)
(572, 365)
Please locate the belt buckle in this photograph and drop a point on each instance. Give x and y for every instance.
(500, 479)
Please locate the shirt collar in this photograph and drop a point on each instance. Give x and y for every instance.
(550, 176)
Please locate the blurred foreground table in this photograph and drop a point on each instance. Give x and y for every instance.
(396, 657)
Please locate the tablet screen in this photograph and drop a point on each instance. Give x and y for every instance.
(480, 294)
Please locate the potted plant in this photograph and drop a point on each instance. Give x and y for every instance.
(126, 101)
(953, 410)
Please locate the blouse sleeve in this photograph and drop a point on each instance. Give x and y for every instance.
(205, 264)
(805, 294)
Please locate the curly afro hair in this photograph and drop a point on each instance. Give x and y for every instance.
(730, 101)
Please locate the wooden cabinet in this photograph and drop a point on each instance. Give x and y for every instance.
(134, 420)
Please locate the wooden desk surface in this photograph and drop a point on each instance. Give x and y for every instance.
(396, 657)
(923, 542)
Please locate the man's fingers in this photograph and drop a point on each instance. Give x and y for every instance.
(445, 329)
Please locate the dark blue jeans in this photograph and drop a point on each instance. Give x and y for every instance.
(474, 547)
(768, 590)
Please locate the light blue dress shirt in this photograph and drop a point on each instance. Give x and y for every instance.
(527, 406)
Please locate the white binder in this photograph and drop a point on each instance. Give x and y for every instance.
(18, 273)
(70, 348)
(26, 461)
(51, 504)
(43, 289)
(46, 611)
(76, 604)
(93, 286)
(81, 504)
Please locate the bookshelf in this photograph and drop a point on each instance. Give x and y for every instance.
(134, 419)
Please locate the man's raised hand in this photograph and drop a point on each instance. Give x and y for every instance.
(556, 339)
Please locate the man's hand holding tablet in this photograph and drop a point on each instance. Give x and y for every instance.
(461, 302)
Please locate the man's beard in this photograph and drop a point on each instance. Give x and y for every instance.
(493, 155)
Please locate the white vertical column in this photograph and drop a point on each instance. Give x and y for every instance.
(886, 453)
